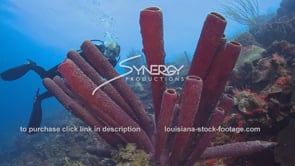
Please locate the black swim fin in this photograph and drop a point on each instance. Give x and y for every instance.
(17, 72)
(36, 115)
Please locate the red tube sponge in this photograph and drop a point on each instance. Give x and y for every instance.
(151, 26)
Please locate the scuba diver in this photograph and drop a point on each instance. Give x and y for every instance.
(110, 50)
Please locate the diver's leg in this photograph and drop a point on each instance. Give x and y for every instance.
(50, 73)
(40, 71)
(36, 115)
(46, 73)
(19, 71)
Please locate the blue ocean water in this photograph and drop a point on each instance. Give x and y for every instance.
(44, 31)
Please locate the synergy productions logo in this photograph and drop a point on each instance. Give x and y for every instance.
(142, 73)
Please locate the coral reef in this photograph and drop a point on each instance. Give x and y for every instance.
(264, 95)
(262, 84)
(263, 88)
(129, 155)
(276, 29)
(286, 8)
(286, 148)
(282, 48)
(246, 39)
(63, 148)
(249, 54)
(111, 108)
(256, 68)
(280, 27)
